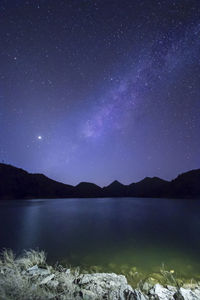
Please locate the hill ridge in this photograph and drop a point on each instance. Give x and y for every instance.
(16, 183)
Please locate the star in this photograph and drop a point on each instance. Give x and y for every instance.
(39, 137)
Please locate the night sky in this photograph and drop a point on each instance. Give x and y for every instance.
(98, 90)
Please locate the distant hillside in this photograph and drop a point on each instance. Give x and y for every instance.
(115, 189)
(87, 189)
(16, 183)
(149, 187)
(186, 185)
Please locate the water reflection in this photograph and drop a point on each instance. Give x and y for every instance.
(124, 231)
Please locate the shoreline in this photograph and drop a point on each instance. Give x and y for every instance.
(29, 277)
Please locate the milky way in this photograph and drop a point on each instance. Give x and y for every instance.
(100, 90)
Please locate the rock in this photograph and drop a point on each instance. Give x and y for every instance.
(187, 294)
(146, 287)
(68, 271)
(53, 283)
(32, 269)
(154, 278)
(88, 295)
(161, 292)
(107, 286)
(197, 292)
(38, 271)
(137, 295)
(47, 279)
(178, 296)
(172, 288)
(43, 272)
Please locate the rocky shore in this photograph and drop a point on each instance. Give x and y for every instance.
(30, 278)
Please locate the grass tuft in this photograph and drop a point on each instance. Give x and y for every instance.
(16, 282)
(169, 277)
(31, 258)
(7, 258)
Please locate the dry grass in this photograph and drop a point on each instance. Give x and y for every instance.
(17, 284)
(169, 277)
(7, 258)
(14, 284)
(31, 258)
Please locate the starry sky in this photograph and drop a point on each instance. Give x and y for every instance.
(98, 90)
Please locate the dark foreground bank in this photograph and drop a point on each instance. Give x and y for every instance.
(29, 277)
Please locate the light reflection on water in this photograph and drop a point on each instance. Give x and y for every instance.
(113, 234)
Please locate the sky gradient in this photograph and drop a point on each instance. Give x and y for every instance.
(98, 90)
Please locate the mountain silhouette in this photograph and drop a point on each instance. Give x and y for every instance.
(87, 189)
(149, 187)
(16, 183)
(115, 189)
(186, 185)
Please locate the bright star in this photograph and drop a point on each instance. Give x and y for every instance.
(39, 137)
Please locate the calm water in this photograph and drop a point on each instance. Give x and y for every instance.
(115, 234)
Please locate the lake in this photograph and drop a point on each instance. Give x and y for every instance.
(113, 234)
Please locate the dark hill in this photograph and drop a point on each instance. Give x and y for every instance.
(87, 189)
(148, 187)
(16, 183)
(186, 185)
(115, 189)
